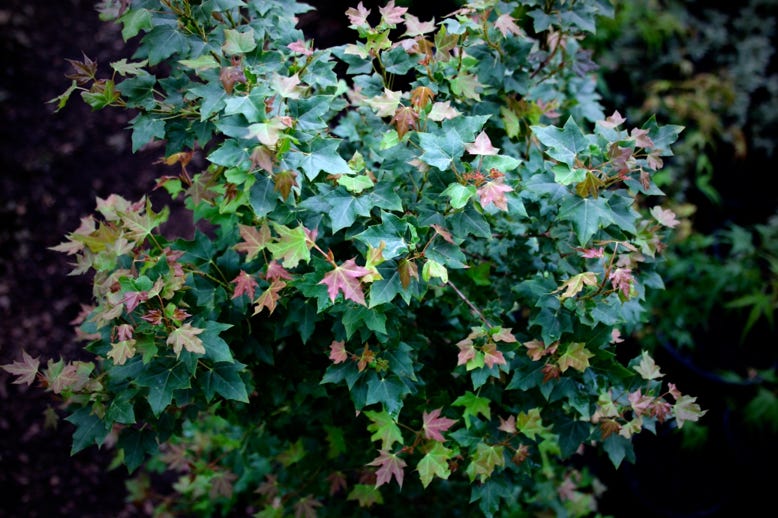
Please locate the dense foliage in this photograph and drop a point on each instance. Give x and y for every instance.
(414, 255)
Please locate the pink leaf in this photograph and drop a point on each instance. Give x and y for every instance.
(506, 25)
(492, 356)
(392, 14)
(345, 278)
(300, 47)
(275, 272)
(25, 370)
(466, 352)
(358, 17)
(434, 425)
(389, 465)
(494, 192)
(338, 353)
(665, 216)
(482, 146)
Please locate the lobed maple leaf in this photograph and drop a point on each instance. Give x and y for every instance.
(185, 337)
(25, 370)
(482, 146)
(337, 482)
(389, 465)
(338, 353)
(269, 298)
(648, 369)
(613, 121)
(494, 192)
(415, 27)
(358, 17)
(122, 351)
(508, 425)
(506, 24)
(293, 245)
(254, 240)
(433, 425)
(443, 110)
(492, 356)
(277, 272)
(665, 216)
(686, 409)
(244, 284)
(306, 507)
(392, 14)
(345, 278)
(434, 463)
(576, 356)
(300, 47)
(385, 105)
(622, 279)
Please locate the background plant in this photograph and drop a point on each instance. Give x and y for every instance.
(362, 244)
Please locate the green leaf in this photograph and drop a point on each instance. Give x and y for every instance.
(224, 379)
(441, 150)
(588, 215)
(434, 464)
(390, 232)
(386, 289)
(90, 429)
(236, 42)
(121, 410)
(366, 495)
(618, 448)
(163, 41)
(322, 155)
(137, 444)
(263, 196)
(384, 428)
(135, 21)
(162, 380)
(291, 247)
(216, 348)
(146, 128)
(388, 390)
(563, 144)
(473, 405)
(459, 194)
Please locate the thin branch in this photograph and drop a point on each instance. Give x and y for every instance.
(470, 304)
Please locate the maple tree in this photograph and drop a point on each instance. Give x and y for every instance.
(435, 269)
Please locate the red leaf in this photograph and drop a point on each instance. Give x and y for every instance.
(434, 425)
(338, 352)
(466, 351)
(275, 272)
(389, 465)
(345, 278)
(244, 283)
(25, 370)
(492, 356)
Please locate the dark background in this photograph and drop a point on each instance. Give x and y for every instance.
(54, 165)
